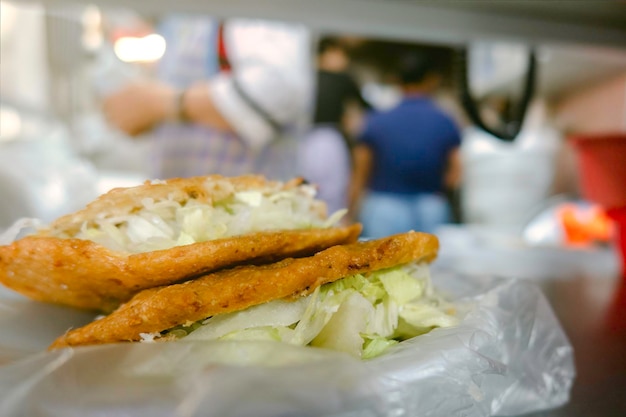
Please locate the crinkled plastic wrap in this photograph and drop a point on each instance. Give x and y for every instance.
(508, 356)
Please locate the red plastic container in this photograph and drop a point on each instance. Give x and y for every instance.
(619, 215)
(602, 161)
(602, 167)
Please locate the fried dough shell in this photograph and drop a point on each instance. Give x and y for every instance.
(86, 275)
(159, 309)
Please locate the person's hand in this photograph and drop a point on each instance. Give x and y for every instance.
(137, 107)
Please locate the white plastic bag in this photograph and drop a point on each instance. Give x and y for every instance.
(508, 356)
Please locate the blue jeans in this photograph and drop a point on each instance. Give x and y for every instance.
(383, 214)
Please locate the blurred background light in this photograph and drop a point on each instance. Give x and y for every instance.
(148, 48)
(7, 17)
(10, 124)
(92, 37)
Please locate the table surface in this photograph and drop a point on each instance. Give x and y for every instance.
(592, 311)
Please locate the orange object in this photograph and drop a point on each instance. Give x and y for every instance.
(585, 226)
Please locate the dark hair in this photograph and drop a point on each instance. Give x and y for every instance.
(414, 66)
(329, 43)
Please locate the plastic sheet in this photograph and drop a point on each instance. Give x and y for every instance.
(508, 356)
(41, 175)
(479, 250)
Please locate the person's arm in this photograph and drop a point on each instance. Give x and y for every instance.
(355, 109)
(363, 160)
(454, 169)
(137, 107)
(453, 174)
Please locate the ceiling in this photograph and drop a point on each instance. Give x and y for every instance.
(566, 61)
(564, 69)
(590, 13)
(563, 65)
(579, 42)
(446, 21)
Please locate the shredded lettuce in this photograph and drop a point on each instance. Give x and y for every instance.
(400, 286)
(375, 346)
(276, 334)
(362, 314)
(343, 330)
(279, 313)
(167, 223)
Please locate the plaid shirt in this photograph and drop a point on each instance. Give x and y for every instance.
(186, 150)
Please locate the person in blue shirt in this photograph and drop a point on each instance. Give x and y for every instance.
(407, 158)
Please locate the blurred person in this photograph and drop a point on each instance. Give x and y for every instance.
(407, 158)
(229, 98)
(325, 152)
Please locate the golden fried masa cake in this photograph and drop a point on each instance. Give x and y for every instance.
(83, 274)
(162, 232)
(159, 309)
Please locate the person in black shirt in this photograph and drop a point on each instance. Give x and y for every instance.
(325, 157)
(335, 86)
